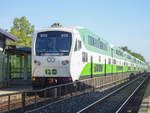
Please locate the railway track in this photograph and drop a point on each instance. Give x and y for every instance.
(21, 102)
(116, 101)
(76, 103)
(132, 104)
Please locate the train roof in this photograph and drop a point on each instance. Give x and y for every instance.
(114, 47)
(95, 35)
(60, 28)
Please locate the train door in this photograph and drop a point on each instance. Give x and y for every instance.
(76, 60)
(105, 67)
(91, 67)
(112, 62)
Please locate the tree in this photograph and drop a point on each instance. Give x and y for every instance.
(23, 30)
(125, 48)
(137, 55)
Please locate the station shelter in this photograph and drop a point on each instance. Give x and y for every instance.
(15, 62)
(19, 65)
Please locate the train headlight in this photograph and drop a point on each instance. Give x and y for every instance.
(33, 78)
(65, 62)
(37, 62)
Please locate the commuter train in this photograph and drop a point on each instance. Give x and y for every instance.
(66, 54)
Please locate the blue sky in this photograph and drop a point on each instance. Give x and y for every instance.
(120, 22)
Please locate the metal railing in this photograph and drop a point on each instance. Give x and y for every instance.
(34, 98)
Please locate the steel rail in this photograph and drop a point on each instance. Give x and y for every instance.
(130, 97)
(42, 107)
(102, 99)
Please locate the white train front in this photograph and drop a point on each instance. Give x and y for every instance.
(51, 57)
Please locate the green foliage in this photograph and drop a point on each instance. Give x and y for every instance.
(23, 30)
(137, 55)
(125, 48)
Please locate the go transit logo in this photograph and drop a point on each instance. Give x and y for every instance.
(50, 71)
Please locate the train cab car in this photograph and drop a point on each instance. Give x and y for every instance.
(66, 54)
(51, 56)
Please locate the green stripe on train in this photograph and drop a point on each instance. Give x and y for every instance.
(109, 69)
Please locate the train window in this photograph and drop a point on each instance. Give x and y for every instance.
(101, 68)
(98, 68)
(53, 43)
(97, 43)
(119, 53)
(79, 45)
(90, 40)
(84, 57)
(114, 61)
(75, 49)
(101, 45)
(129, 57)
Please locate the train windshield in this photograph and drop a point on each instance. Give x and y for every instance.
(55, 43)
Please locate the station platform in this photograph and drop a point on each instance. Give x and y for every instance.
(145, 105)
(14, 89)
